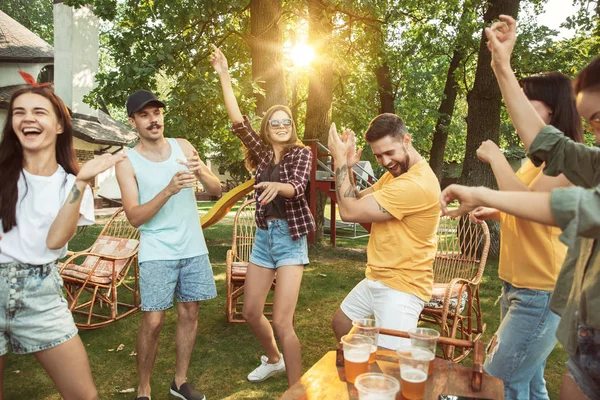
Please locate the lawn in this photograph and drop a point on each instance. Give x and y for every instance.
(225, 354)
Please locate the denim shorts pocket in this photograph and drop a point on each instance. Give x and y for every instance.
(283, 229)
(589, 351)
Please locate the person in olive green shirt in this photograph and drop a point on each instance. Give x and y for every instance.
(575, 210)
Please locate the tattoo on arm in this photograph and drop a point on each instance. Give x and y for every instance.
(76, 193)
(340, 178)
(351, 192)
(383, 210)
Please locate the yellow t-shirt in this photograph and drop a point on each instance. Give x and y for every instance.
(401, 251)
(531, 254)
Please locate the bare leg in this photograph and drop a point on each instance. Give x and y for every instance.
(147, 348)
(69, 368)
(187, 326)
(569, 389)
(256, 288)
(340, 324)
(289, 279)
(2, 366)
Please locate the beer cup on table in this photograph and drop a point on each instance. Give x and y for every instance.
(404, 350)
(367, 327)
(413, 376)
(357, 349)
(376, 386)
(423, 342)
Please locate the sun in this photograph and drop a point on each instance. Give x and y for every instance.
(302, 55)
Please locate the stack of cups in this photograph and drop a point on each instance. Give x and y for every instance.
(376, 386)
(367, 327)
(357, 349)
(416, 361)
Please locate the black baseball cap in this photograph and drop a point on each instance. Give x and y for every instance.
(139, 99)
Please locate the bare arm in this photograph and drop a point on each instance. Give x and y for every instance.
(501, 40)
(219, 63)
(65, 224)
(353, 209)
(210, 183)
(139, 214)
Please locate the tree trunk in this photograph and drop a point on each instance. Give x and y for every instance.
(440, 135)
(320, 89)
(483, 118)
(266, 49)
(384, 86)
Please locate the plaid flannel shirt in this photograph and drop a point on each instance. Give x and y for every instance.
(295, 170)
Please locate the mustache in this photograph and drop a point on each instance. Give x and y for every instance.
(154, 125)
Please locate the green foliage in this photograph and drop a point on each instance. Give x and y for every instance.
(35, 15)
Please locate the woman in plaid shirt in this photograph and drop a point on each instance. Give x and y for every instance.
(282, 164)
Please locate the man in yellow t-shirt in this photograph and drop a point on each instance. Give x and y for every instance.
(403, 207)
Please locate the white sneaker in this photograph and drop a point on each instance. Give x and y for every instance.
(266, 370)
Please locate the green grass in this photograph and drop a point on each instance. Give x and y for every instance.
(225, 354)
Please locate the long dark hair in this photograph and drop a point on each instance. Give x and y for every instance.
(556, 91)
(249, 160)
(12, 159)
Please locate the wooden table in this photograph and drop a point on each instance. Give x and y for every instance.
(325, 381)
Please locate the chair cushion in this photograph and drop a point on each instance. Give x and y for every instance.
(239, 268)
(104, 245)
(438, 294)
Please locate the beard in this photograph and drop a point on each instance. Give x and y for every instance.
(402, 167)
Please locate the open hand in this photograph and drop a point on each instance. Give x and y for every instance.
(340, 149)
(99, 164)
(218, 61)
(270, 191)
(488, 151)
(501, 40)
(353, 156)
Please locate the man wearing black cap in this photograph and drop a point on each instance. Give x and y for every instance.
(156, 182)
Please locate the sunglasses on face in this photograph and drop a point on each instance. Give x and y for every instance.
(274, 123)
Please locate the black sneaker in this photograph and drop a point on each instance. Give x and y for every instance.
(186, 392)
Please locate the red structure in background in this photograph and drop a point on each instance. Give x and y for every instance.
(327, 186)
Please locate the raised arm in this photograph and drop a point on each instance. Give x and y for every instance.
(139, 214)
(65, 224)
(219, 63)
(351, 207)
(501, 40)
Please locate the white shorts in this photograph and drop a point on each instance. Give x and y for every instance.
(392, 309)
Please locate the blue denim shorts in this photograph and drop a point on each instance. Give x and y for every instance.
(34, 315)
(190, 279)
(584, 366)
(274, 247)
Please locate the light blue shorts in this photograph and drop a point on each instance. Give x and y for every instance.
(274, 247)
(34, 315)
(190, 279)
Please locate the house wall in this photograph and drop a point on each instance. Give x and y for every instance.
(9, 72)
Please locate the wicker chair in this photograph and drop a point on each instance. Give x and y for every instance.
(101, 283)
(244, 228)
(457, 271)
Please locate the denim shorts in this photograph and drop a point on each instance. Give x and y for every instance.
(190, 279)
(34, 315)
(584, 366)
(274, 247)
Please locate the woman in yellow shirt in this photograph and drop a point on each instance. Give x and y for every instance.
(530, 253)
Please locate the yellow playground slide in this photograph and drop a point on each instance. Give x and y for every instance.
(225, 203)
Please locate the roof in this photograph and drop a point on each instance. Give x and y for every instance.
(19, 44)
(102, 129)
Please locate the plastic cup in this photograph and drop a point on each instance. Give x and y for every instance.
(357, 349)
(424, 341)
(376, 386)
(367, 327)
(405, 351)
(413, 375)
